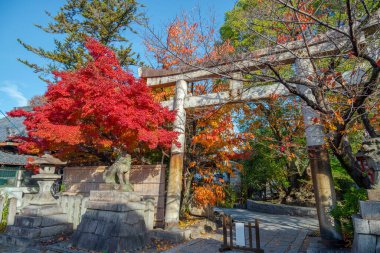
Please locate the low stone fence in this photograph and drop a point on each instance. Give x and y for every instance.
(11, 204)
(367, 225)
(147, 180)
(265, 207)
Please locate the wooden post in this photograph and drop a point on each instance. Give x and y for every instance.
(257, 233)
(224, 232)
(173, 197)
(250, 235)
(323, 184)
(231, 232)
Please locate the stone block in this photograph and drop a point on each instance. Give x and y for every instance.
(115, 207)
(44, 210)
(374, 227)
(16, 241)
(56, 230)
(55, 219)
(30, 233)
(119, 218)
(28, 221)
(36, 233)
(89, 226)
(90, 214)
(370, 210)
(378, 245)
(40, 221)
(112, 244)
(114, 196)
(361, 226)
(373, 194)
(364, 243)
(104, 228)
(108, 216)
(87, 241)
(173, 235)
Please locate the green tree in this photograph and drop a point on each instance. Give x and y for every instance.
(279, 158)
(105, 20)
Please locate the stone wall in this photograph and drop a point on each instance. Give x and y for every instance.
(367, 225)
(264, 207)
(147, 180)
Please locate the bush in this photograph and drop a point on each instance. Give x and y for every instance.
(346, 208)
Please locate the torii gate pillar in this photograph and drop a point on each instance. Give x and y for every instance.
(323, 185)
(173, 197)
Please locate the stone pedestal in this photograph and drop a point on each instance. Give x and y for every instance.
(37, 224)
(367, 226)
(114, 222)
(44, 197)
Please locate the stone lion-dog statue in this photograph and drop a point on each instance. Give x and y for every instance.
(120, 169)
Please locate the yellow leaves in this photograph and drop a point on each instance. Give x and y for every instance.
(338, 117)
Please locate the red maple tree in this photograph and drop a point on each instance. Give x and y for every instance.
(94, 110)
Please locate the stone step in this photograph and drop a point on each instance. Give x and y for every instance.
(6, 239)
(115, 196)
(23, 242)
(40, 221)
(44, 210)
(370, 210)
(38, 233)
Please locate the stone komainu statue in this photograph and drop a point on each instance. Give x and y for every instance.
(119, 169)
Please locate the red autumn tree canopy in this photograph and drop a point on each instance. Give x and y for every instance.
(94, 110)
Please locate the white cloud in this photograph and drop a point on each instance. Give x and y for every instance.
(11, 89)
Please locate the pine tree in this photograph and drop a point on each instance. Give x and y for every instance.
(105, 20)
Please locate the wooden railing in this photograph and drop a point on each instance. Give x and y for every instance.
(228, 236)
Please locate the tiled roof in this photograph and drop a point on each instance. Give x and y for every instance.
(12, 159)
(13, 126)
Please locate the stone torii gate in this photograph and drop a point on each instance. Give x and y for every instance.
(281, 55)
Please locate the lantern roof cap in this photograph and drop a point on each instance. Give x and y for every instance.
(48, 159)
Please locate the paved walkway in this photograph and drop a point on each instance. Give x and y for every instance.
(278, 233)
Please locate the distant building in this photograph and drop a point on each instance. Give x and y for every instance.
(10, 160)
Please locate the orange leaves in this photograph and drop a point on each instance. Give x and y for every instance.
(208, 194)
(186, 43)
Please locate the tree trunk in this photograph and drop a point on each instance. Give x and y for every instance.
(348, 161)
(186, 198)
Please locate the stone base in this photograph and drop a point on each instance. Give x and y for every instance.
(373, 194)
(37, 224)
(113, 222)
(367, 228)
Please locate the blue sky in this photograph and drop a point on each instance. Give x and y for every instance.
(18, 83)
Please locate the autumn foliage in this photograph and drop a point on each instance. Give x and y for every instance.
(186, 43)
(95, 110)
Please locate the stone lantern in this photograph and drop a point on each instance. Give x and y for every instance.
(45, 179)
(43, 220)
